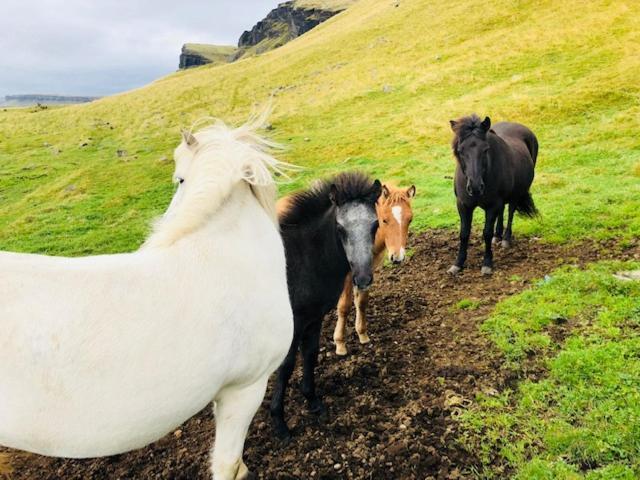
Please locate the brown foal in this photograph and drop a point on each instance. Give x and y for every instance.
(394, 216)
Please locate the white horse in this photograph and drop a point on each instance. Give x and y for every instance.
(102, 355)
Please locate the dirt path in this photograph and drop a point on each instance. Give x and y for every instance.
(391, 402)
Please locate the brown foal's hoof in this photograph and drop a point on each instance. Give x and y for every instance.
(454, 270)
(486, 270)
(364, 338)
(341, 349)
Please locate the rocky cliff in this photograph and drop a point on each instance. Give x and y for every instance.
(196, 54)
(284, 23)
(281, 25)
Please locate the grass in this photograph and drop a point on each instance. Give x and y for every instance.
(372, 88)
(582, 420)
(468, 304)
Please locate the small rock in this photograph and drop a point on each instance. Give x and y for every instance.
(121, 153)
(337, 466)
(177, 433)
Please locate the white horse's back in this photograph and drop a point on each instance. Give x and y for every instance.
(100, 355)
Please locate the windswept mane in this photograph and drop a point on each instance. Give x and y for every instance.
(222, 157)
(467, 126)
(314, 202)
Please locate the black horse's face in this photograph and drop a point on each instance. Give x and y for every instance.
(473, 156)
(357, 224)
(472, 153)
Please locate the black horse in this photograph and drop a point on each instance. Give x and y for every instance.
(495, 167)
(327, 231)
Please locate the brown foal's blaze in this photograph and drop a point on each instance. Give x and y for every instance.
(394, 216)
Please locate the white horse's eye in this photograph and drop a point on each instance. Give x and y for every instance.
(180, 180)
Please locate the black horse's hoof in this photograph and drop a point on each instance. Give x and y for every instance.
(485, 270)
(282, 432)
(284, 437)
(454, 270)
(316, 407)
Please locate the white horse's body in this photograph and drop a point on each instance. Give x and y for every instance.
(101, 355)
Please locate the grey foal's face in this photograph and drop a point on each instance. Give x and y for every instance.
(357, 224)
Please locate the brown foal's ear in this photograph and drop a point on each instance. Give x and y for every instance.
(385, 191)
(411, 191)
(188, 138)
(486, 124)
(333, 194)
(453, 124)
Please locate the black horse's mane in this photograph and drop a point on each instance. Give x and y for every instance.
(314, 202)
(467, 126)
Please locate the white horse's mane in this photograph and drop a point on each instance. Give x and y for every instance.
(223, 157)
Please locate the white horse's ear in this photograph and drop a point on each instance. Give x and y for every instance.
(188, 138)
(411, 191)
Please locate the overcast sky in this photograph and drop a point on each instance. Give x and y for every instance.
(99, 47)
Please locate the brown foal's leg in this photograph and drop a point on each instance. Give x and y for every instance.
(362, 298)
(344, 308)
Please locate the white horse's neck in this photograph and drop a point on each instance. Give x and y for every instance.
(218, 221)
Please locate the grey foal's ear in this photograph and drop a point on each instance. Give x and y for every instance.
(333, 194)
(188, 138)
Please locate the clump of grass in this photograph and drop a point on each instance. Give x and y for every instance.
(468, 304)
(583, 419)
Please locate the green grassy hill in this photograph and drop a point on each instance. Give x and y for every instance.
(372, 88)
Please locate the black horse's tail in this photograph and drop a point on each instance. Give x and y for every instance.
(526, 207)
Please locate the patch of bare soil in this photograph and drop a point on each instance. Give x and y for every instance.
(392, 403)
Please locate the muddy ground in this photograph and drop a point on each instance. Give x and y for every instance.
(392, 403)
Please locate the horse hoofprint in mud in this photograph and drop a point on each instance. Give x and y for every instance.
(102, 355)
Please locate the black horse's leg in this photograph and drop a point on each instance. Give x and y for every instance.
(491, 214)
(277, 400)
(499, 227)
(506, 243)
(466, 217)
(310, 348)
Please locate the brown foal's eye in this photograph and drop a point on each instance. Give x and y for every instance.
(384, 221)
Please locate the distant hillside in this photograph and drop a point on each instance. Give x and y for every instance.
(287, 21)
(34, 99)
(196, 54)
